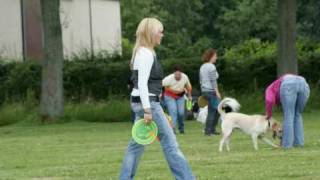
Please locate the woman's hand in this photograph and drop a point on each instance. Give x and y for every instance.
(218, 94)
(147, 116)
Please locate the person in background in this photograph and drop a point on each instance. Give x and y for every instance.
(292, 92)
(209, 89)
(176, 85)
(147, 84)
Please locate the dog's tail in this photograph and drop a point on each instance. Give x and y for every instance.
(228, 102)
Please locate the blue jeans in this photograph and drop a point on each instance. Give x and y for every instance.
(176, 160)
(176, 109)
(294, 93)
(212, 117)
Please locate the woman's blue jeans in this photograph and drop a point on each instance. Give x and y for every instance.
(175, 158)
(176, 109)
(294, 93)
(212, 117)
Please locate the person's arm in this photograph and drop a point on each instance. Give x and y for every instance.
(166, 82)
(269, 101)
(145, 59)
(189, 91)
(217, 92)
(269, 109)
(214, 78)
(189, 88)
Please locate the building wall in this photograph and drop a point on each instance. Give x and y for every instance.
(106, 25)
(75, 22)
(78, 36)
(10, 29)
(105, 30)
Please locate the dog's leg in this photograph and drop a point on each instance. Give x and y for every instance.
(221, 143)
(228, 142)
(269, 142)
(224, 139)
(254, 140)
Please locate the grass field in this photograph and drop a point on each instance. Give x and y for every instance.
(83, 150)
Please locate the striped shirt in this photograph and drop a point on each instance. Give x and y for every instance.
(208, 77)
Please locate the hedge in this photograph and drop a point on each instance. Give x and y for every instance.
(247, 67)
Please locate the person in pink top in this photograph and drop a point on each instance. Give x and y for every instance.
(292, 92)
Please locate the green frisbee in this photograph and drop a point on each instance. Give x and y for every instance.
(202, 102)
(144, 133)
(189, 105)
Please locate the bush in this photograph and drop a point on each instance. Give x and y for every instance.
(11, 113)
(116, 109)
(249, 66)
(83, 79)
(17, 79)
(113, 110)
(252, 64)
(245, 68)
(314, 99)
(95, 79)
(308, 59)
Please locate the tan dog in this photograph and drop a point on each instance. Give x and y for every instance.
(254, 125)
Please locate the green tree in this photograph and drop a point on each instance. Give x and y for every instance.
(183, 23)
(194, 25)
(248, 19)
(308, 15)
(184, 27)
(212, 11)
(132, 12)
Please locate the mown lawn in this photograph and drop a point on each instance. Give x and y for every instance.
(82, 150)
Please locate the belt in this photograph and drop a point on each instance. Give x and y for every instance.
(172, 94)
(136, 99)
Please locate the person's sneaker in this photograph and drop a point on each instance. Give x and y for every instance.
(298, 146)
(174, 131)
(182, 132)
(216, 133)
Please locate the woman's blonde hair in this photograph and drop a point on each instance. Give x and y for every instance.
(145, 35)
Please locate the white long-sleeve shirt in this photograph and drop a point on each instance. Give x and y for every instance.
(143, 62)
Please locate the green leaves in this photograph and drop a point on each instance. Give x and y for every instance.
(249, 19)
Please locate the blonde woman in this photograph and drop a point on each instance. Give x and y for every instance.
(147, 77)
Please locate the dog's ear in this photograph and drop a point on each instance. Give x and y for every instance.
(227, 109)
(268, 120)
(275, 125)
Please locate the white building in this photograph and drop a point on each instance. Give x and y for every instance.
(92, 25)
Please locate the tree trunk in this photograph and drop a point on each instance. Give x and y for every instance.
(52, 64)
(287, 56)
